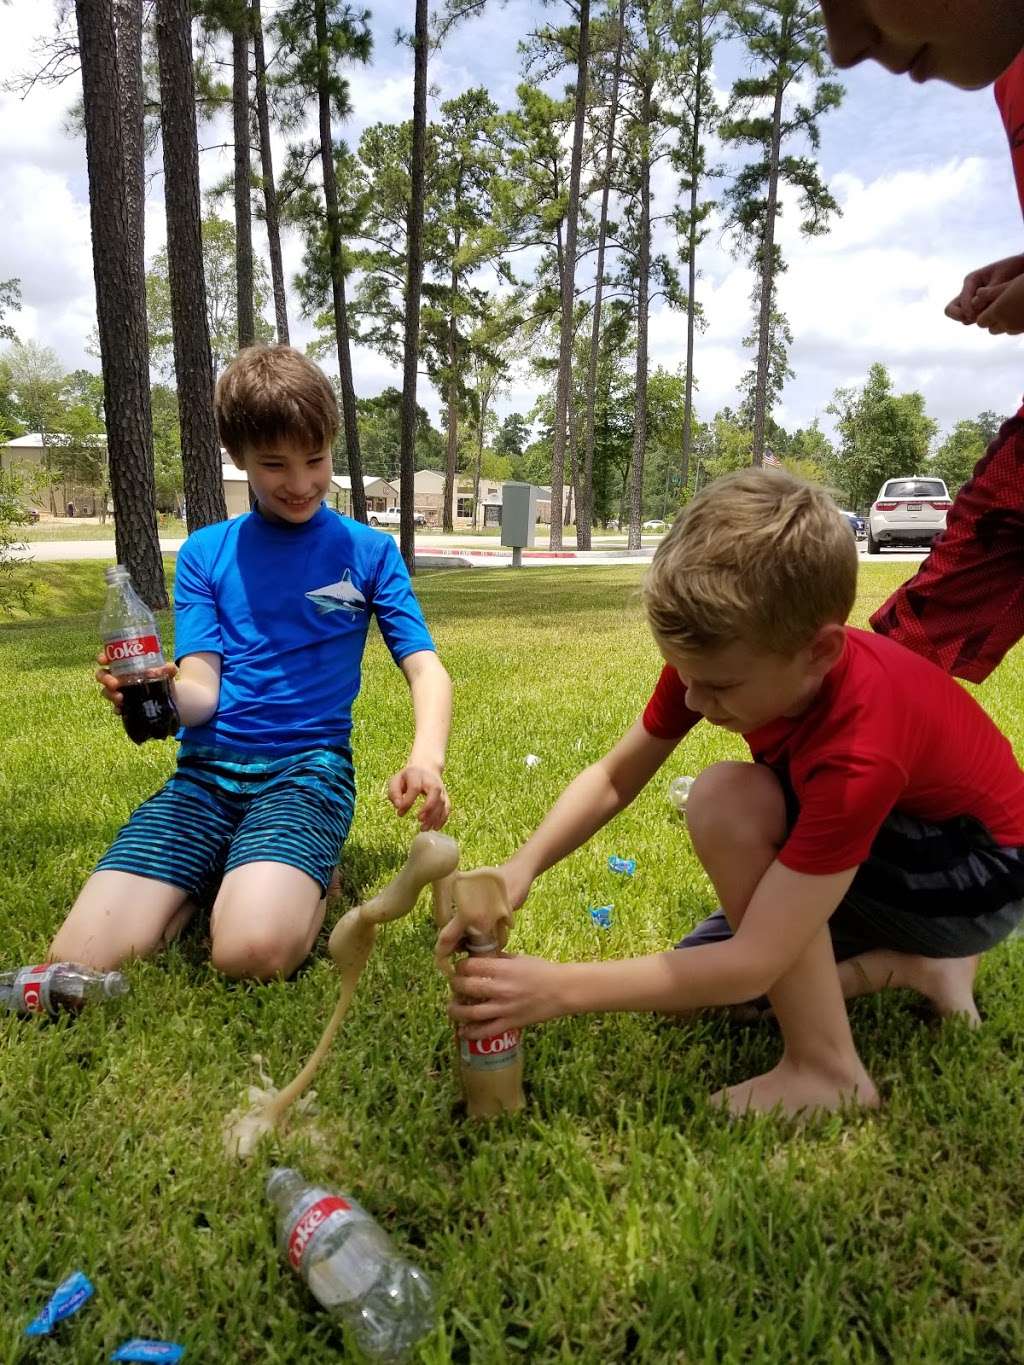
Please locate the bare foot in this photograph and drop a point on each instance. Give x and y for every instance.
(946, 983)
(800, 1090)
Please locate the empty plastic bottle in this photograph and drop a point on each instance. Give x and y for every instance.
(350, 1265)
(53, 986)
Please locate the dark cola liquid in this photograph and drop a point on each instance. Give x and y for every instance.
(149, 711)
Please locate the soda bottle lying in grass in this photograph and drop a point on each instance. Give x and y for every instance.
(54, 986)
(350, 1266)
(131, 643)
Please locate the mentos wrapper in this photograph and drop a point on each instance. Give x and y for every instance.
(67, 1298)
(627, 866)
(602, 915)
(137, 1349)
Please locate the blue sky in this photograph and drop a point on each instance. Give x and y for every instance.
(922, 174)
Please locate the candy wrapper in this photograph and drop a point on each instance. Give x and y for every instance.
(137, 1349)
(66, 1299)
(602, 915)
(625, 866)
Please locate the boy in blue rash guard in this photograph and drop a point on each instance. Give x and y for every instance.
(271, 617)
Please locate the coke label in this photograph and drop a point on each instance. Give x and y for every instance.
(34, 985)
(311, 1224)
(489, 1054)
(131, 648)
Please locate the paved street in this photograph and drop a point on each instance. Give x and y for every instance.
(439, 551)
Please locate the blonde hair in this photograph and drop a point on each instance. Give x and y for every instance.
(274, 393)
(758, 557)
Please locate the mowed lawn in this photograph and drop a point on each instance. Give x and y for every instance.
(619, 1217)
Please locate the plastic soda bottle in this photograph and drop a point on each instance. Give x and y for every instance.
(53, 986)
(350, 1266)
(132, 644)
(491, 1069)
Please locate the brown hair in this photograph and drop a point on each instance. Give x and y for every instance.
(758, 557)
(273, 393)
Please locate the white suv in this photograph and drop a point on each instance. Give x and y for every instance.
(909, 511)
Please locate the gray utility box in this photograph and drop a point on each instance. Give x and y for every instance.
(518, 514)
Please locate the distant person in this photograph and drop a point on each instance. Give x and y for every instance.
(71, 509)
(879, 826)
(964, 608)
(271, 611)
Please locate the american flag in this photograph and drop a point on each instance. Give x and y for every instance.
(771, 460)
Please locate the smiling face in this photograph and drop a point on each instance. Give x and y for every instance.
(965, 42)
(741, 688)
(290, 481)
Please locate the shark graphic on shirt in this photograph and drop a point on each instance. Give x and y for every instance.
(340, 596)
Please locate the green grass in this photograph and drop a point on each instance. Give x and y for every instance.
(58, 530)
(618, 1218)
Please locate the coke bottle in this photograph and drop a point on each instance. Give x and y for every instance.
(132, 645)
(350, 1266)
(491, 1068)
(53, 986)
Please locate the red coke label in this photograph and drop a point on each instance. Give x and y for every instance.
(310, 1223)
(34, 985)
(132, 648)
(488, 1054)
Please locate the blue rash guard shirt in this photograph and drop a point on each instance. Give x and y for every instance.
(288, 609)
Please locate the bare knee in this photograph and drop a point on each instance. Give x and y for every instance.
(262, 953)
(736, 805)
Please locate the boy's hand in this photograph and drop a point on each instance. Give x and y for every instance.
(1002, 308)
(112, 686)
(497, 993)
(976, 295)
(416, 780)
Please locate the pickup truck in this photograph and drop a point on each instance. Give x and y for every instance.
(393, 518)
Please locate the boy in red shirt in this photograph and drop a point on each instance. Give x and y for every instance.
(881, 821)
(965, 607)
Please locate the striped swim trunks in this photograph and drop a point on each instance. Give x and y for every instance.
(222, 809)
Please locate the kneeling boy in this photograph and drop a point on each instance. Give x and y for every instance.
(881, 821)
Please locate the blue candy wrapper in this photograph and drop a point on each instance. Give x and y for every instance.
(627, 866)
(602, 915)
(137, 1349)
(66, 1299)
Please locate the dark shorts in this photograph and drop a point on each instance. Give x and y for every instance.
(221, 809)
(964, 608)
(941, 890)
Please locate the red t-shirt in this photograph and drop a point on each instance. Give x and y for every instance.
(1009, 90)
(888, 730)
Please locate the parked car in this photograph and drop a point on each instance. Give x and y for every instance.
(394, 518)
(656, 525)
(858, 525)
(908, 511)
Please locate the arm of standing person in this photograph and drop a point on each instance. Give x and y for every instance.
(785, 912)
(195, 685)
(981, 288)
(431, 690)
(590, 800)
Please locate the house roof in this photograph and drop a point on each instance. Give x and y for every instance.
(33, 440)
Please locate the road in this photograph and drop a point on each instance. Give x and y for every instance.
(436, 551)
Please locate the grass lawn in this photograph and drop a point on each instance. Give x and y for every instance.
(619, 1217)
(58, 530)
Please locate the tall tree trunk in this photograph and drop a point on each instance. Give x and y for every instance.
(585, 508)
(636, 483)
(348, 393)
(691, 250)
(111, 88)
(414, 282)
(193, 364)
(767, 264)
(482, 419)
(452, 452)
(243, 185)
(270, 205)
(563, 383)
